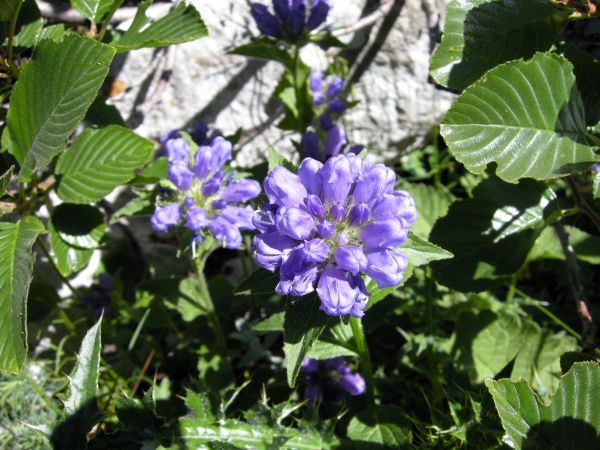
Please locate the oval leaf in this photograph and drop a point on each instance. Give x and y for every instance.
(98, 161)
(16, 269)
(525, 115)
(93, 10)
(55, 89)
(68, 259)
(379, 427)
(480, 34)
(80, 226)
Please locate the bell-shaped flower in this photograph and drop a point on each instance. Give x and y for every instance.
(240, 217)
(195, 219)
(335, 292)
(383, 233)
(241, 191)
(225, 232)
(266, 22)
(336, 106)
(177, 150)
(165, 216)
(179, 174)
(398, 204)
(386, 267)
(337, 179)
(335, 140)
(353, 384)
(294, 222)
(284, 188)
(335, 87)
(373, 184)
(270, 248)
(310, 177)
(319, 10)
(309, 143)
(350, 258)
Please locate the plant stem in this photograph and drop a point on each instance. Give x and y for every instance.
(365, 359)
(581, 201)
(111, 13)
(207, 302)
(298, 90)
(11, 36)
(39, 392)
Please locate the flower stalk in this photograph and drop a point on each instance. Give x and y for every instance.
(365, 359)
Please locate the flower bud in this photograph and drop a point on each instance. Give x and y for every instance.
(335, 87)
(338, 212)
(294, 222)
(335, 140)
(309, 143)
(310, 176)
(337, 179)
(165, 216)
(337, 297)
(284, 188)
(180, 175)
(336, 106)
(265, 21)
(325, 229)
(315, 207)
(195, 219)
(177, 150)
(242, 191)
(358, 215)
(386, 267)
(270, 248)
(319, 9)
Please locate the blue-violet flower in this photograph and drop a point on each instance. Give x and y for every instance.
(290, 17)
(324, 379)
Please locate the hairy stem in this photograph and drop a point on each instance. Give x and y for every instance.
(207, 302)
(589, 331)
(365, 359)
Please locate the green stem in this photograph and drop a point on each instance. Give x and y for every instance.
(107, 20)
(581, 201)
(510, 295)
(365, 360)
(298, 90)
(39, 392)
(11, 36)
(211, 314)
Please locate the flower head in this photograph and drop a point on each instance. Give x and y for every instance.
(291, 17)
(201, 200)
(328, 225)
(325, 378)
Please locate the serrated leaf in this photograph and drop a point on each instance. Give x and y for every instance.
(420, 252)
(273, 323)
(379, 427)
(303, 324)
(569, 358)
(481, 34)
(98, 161)
(93, 10)
(54, 32)
(183, 24)
(47, 104)
(527, 116)
(277, 159)
(260, 281)
(16, 270)
(80, 226)
(491, 233)
(265, 48)
(570, 422)
(587, 76)
(5, 180)
(141, 206)
(41, 300)
(204, 405)
(68, 259)
(233, 434)
(325, 350)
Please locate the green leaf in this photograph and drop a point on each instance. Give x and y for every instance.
(379, 427)
(98, 161)
(28, 27)
(93, 10)
(68, 259)
(265, 48)
(487, 341)
(569, 358)
(585, 245)
(183, 24)
(516, 117)
(327, 349)
(5, 180)
(273, 323)
(104, 112)
(303, 324)
(420, 252)
(491, 233)
(326, 40)
(260, 281)
(570, 422)
(141, 206)
(41, 300)
(16, 269)
(587, 74)
(54, 32)
(80, 226)
(432, 204)
(8, 9)
(46, 104)
(481, 34)
(198, 434)
(181, 294)
(277, 159)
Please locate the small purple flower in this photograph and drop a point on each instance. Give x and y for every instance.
(325, 378)
(242, 191)
(310, 145)
(266, 22)
(316, 80)
(195, 219)
(353, 384)
(177, 150)
(335, 140)
(335, 87)
(331, 224)
(595, 168)
(166, 216)
(319, 10)
(179, 174)
(289, 18)
(226, 232)
(325, 122)
(336, 106)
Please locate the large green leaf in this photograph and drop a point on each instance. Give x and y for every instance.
(491, 233)
(81, 407)
(54, 90)
(379, 427)
(585, 245)
(92, 10)
(98, 161)
(487, 341)
(302, 325)
(570, 422)
(80, 226)
(527, 116)
(260, 281)
(420, 252)
(183, 24)
(68, 259)
(480, 34)
(16, 241)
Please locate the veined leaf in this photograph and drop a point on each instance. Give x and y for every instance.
(55, 88)
(93, 10)
(527, 116)
(303, 324)
(16, 269)
(277, 159)
(80, 226)
(183, 24)
(5, 180)
(570, 422)
(491, 233)
(98, 161)
(481, 34)
(420, 252)
(260, 281)
(263, 49)
(380, 427)
(68, 259)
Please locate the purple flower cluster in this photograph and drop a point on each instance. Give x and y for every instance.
(326, 377)
(203, 191)
(329, 224)
(99, 296)
(329, 96)
(290, 17)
